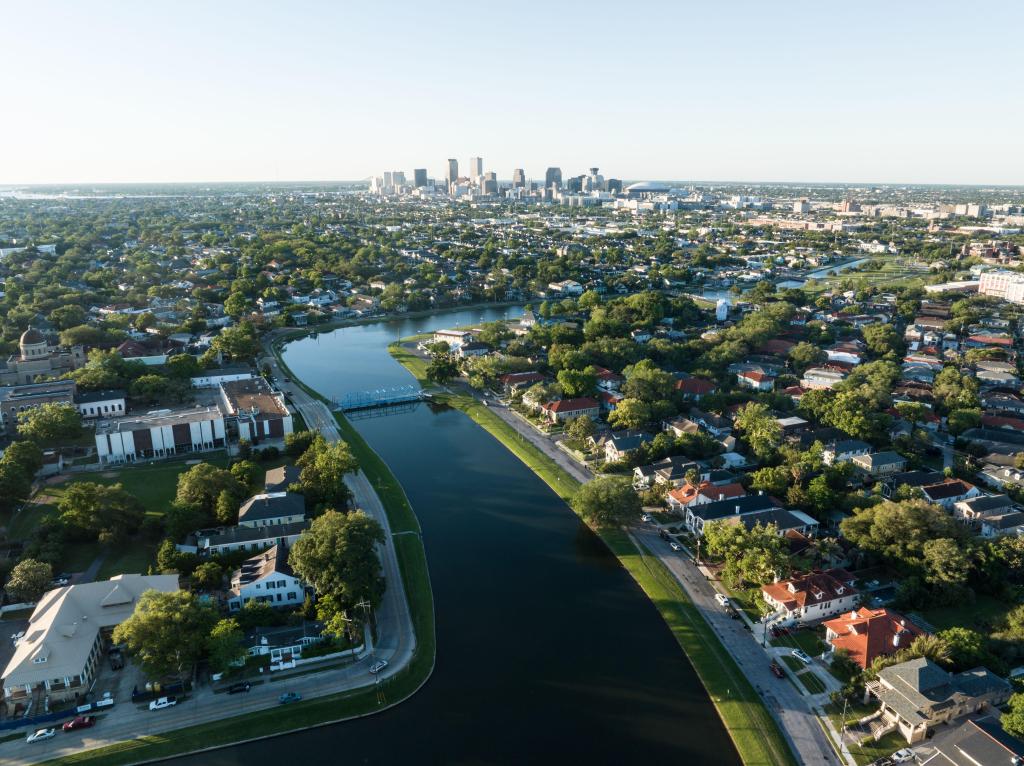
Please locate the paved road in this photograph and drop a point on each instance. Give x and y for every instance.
(798, 721)
(396, 643)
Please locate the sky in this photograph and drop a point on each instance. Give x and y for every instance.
(886, 92)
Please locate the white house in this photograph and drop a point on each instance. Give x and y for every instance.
(271, 508)
(844, 451)
(812, 596)
(267, 578)
(100, 404)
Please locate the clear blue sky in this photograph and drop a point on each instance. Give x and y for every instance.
(206, 91)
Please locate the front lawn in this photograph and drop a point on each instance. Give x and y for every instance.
(868, 750)
(807, 639)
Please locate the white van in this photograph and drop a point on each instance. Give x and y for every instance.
(722, 599)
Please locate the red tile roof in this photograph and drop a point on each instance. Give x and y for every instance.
(571, 405)
(695, 386)
(802, 588)
(870, 633)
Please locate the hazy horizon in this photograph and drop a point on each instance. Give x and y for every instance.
(908, 94)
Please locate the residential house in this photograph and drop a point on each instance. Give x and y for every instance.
(695, 389)
(567, 409)
(620, 446)
(517, 381)
(755, 380)
(821, 378)
(207, 542)
(699, 515)
(272, 509)
(978, 742)
(949, 492)
(687, 494)
(680, 427)
(716, 425)
(878, 464)
(1001, 524)
(670, 470)
(918, 695)
(1002, 476)
(266, 578)
(475, 348)
(67, 635)
(844, 451)
(811, 596)
(866, 634)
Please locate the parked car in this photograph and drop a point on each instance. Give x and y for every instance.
(378, 666)
(645, 517)
(238, 688)
(777, 670)
(802, 656)
(162, 702)
(675, 546)
(903, 755)
(16, 637)
(289, 697)
(41, 734)
(80, 722)
(722, 599)
(60, 582)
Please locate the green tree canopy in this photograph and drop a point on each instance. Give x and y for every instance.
(168, 632)
(607, 502)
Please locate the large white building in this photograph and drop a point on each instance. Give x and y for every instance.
(261, 411)
(66, 636)
(1008, 285)
(160, 434)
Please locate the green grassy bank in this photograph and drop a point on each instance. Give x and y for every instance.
(754, 732)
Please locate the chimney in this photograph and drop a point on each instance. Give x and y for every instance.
(896, 639)
(721, 496)
(760, 492)
(737, 509)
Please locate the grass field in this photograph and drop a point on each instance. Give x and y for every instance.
(811, 682)
(154, 485)
(756, 736)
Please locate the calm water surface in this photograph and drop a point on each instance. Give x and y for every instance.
(547, 650)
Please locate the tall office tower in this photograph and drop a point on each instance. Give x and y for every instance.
(518, 179)
(476, 168)
(489, 183)
(398, 177)
(615, 185)
(453, 171)
(389, 180)
(574, 184)
(419, 176)
(553, 177)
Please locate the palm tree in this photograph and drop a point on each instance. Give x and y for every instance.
(930, 648)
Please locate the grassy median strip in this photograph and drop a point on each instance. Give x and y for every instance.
(754, 732)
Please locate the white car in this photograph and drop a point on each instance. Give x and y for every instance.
(722, 600)
(645, 517)
(802, 656)
(40, 735)
(902, 756)
(16, 637)
(378, 666)
(675, 546)
(160, 704)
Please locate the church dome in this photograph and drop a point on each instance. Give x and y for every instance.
(31, 337)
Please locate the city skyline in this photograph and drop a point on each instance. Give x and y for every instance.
(744, 93)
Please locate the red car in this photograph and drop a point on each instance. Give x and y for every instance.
(81, 722)
(777, 670)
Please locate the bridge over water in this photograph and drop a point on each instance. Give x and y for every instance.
(356, 401)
